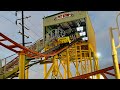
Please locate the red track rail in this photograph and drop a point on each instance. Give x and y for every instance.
(105, 70)
(28, 52)
(31, 53)
(14, 45)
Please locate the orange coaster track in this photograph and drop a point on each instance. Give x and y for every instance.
(34, 54)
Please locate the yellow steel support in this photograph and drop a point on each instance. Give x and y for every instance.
(21, 65)
(83, 67)
(95, 61)
(55, 69)
(81, 59)
(90, 59)
(85, 62)
(80, 55)
(65, 71)
(97, 66)
(91, 68)
(88, 65)
(114, 56)
(68, 64)
(76, 58)
(48, 73)
(27, 72)
(60, 74)
(45, 67)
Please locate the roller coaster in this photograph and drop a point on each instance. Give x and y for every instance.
(68, 45)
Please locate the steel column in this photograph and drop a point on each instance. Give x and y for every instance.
(21, 65)
(114, 56)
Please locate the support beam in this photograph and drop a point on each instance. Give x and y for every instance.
(45, 66)
(114, 55)
(65, 71)
(94, 73)
(96, 65)
(68, 64)
(105, 77)
(110, 73)
(76, 58)
(27, 72)
(55, 69)
(81, 63)
(48, 73)
(21, 65)
(45, 69)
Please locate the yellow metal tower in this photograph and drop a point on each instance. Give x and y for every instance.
(80, 55)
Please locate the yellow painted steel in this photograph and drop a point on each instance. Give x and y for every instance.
(91, 66)
(45, 69)
(50, 20)
(48, 73)
(114, 56)
(21, 65)
(64, 40)
(91, 33)
(65, 71)
(45, 66)
(27, 72)
(55, 68)
(81, 59)
(68, 64)
(90, 59)
(75, 54)
(97, 66)
(85, 64)
(84, 60)
(76, 58)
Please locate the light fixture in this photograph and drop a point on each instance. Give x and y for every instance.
(82, 33)
(98, 54)
(85, 38)
(79, 28)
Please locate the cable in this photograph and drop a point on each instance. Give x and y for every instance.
(4, 18)
(3, 21)
(17, 26)
(12, 13)
(27, 33)
(10, 21)
(7, 19)
(29, 22)
(33, 31)
(27, 26)
(32, 24)
(9, 56)
(31, 36)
